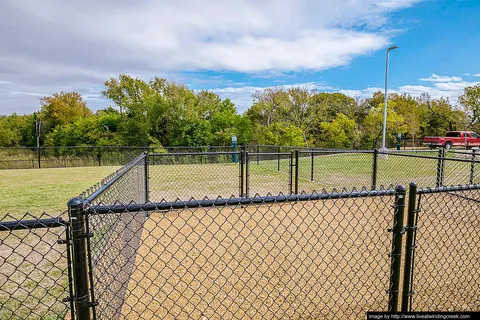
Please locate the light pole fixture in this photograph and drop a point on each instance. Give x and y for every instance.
(384, 130)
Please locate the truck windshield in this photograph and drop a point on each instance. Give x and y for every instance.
(474, 135)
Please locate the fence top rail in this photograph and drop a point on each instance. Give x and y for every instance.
(193, 153)
(334, 151)
(33, 224)
(118, 174)
(474, 152)
(269, 153)
(429, 157)
(449, 188)
(206, 203)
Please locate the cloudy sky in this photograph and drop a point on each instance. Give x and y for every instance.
(235, 47)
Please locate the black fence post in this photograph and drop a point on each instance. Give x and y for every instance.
(241, 177)
(290, 173)
(247, 174)
(410, 246)
(440, 167)
(76, 215)
(99, 156)
(396, 254)
(472, 167)
(278, 159)
(147, 178)
(374, 169)
(296, 171)
(258, 151)
(38, 158)
(311, 171)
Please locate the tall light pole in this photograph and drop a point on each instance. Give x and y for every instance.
(385, 103)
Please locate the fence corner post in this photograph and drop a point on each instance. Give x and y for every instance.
(396, 254)
(76, 216)
(374, 169)
(410, 247)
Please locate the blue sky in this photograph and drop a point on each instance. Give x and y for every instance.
(236, 47)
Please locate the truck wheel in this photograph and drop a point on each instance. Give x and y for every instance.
(447, 145)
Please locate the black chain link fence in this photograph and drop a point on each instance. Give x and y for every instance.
(136, 251)
(446, 250)
(315, 256)
(34, 274)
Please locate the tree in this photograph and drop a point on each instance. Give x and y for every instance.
(61, 109)
(373, 123)
(340, 133)
(470, 101)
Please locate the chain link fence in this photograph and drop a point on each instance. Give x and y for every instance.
(254, 243)
(445, 249)
(316, 256)
(34, 273)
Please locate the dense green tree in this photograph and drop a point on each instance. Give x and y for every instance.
(61, 109)
(470, 101)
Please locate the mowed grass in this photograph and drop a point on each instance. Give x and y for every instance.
(45, 190)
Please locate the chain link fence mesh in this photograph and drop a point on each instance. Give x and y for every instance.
(34, 276)
(446, 260)
(295, 259)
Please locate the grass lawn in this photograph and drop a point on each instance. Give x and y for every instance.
(45, 190)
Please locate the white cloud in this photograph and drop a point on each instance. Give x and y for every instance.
(436, 78)
(52, 44)
(448, 89)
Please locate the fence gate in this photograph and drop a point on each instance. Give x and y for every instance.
(442, 254)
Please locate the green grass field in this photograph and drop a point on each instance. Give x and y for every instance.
(45, 190)
(48, 190)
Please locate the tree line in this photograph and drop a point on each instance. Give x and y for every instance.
(167, 113)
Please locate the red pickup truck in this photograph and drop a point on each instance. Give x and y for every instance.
(466, 139)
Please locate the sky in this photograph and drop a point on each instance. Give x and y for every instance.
(235, 47)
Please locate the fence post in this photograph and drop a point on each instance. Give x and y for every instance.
(147, 178)
(374, 169)
(311, 172)
(38, 157)
(410, 246)
(396, 254)
(296, 171)
(99, 155)
(247, 174)
(440, 167)
(290, 173)
(278, 159)
(241, 162)
(76, 215)
(472, 167)
(258, 151)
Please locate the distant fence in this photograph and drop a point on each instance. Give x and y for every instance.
(87, 156)
(241, 238)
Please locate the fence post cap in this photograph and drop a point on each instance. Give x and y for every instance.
(400, 187)
(75, 202)
(412, 184)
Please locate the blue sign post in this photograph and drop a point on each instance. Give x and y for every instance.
(234, 148)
